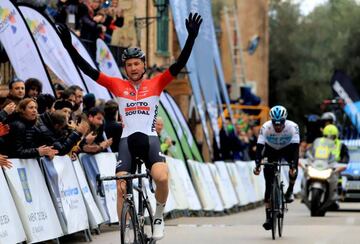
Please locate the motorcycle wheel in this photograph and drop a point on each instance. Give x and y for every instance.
(315, 202)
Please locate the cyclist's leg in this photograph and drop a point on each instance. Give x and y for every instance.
(160, 175)
(123, 166)
(291, 155)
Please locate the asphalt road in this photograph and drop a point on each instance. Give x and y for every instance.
(339, 227)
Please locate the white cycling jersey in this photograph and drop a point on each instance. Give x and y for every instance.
(290, 134)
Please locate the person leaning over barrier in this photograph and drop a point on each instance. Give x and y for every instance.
(138, 101)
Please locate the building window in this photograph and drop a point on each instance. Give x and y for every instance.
(163, 31)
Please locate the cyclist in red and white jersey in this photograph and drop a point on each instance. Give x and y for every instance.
(138, 100)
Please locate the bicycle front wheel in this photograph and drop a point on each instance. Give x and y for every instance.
(274, 208)
(128, 229)
(281, 212)
(147, 224)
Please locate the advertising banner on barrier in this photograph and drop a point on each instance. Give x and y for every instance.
(202, 190)
(33, 201)
(257, 181)
(106, 61)
(235, 177)
(205, 171)
(226, 181)
(20, 47)
(93, 87)
(106, 163)
(11, 229)
(246, 181)
(52, 50)
(95, 217)
(176, 186)
(189, 190)
(65, 191)
(91, 171)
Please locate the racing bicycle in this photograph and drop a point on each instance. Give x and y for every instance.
(136, 223)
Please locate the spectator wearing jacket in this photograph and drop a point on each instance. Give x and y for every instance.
(113, 127)
(20, 140)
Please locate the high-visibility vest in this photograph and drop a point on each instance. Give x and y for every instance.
(323, 148)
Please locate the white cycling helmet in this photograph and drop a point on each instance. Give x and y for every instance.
(328, 116)
(278, 114)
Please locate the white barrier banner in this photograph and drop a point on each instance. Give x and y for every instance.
(226, 181)
(91, 170)
(106, 61)
(203, 192)
(107, 164)
(210, 184)
(52, 50)
(176, 186)
(235, 177)
(95, 217)
(66, 193)
(11, 229)
(33, 201)
(98, 90)
(247, 181)
(190, 193)
(219, 186)
(20, 47)
(257, 181)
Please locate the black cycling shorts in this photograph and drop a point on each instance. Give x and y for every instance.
(138, 145)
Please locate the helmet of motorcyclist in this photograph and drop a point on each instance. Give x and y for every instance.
(328, 118)
(278, 115)
(331, 131)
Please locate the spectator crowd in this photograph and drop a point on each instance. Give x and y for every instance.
(33, 124)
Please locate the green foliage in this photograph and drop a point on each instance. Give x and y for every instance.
(305, 51)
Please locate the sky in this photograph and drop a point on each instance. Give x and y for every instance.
(306, 6)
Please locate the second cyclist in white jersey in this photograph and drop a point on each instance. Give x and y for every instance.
(278, 139)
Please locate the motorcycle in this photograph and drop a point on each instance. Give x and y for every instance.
(321, 173)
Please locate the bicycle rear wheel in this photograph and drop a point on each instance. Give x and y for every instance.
(128, 229)
(274, 208)
(281, 212)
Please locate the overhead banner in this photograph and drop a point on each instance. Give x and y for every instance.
(52, 50)
(180, 12)
(11, 229)
(66, 194)
(185, 127)
(33, 201)
(93, 87)
(175, 150)
(20, 46)
(343, 86)
(205, 62)
(105, 59)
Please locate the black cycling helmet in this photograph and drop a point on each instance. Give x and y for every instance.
(132, 52)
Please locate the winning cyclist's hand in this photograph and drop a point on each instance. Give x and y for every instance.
(257, 170)
(193, 23)
(65, 35)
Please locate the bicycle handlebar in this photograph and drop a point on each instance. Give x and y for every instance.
(275, 164)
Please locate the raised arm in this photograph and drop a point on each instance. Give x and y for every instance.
(192, 23)
(65, 36)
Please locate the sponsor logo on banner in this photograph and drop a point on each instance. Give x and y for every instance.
(105, 57)
(37, 29)
(7, 18)
(25, 184)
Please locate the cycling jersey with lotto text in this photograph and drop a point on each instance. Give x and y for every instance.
(138, 106)
(289, 135)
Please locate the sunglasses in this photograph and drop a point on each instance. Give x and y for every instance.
(278, 122)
